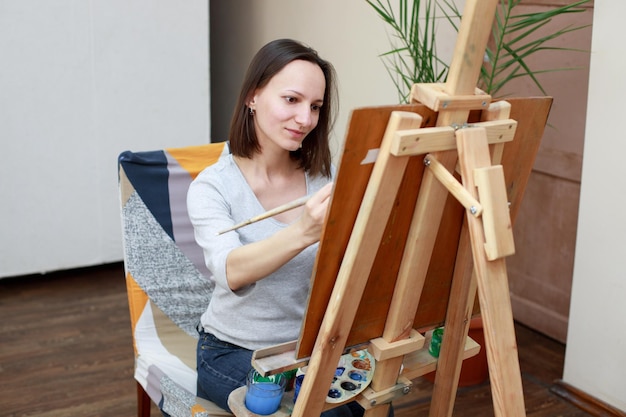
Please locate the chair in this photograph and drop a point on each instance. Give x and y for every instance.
(167, 281)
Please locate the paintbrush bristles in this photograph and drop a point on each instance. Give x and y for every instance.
(270, 213)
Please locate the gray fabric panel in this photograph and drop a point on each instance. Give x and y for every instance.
(177, 402)
(153, 380)
(169, 278)
(178, 185)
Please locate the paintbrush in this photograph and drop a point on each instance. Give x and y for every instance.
(270, 213)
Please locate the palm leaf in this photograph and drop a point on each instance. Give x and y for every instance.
(413, 57)
(514, 40)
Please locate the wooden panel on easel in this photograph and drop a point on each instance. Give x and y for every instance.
(365, 132)
(518, 158)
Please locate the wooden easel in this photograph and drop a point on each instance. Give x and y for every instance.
(393, 233)
(488, 226)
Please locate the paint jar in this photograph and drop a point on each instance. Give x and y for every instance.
(290, 376)
(298, 382)
(435, 342)
(264, 393)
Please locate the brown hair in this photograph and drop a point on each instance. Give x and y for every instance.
(314, 156)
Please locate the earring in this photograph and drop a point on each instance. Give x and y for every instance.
(251, 111)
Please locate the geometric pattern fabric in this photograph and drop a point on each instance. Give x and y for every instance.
(168, 284)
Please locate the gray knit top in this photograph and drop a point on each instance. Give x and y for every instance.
(271, 310)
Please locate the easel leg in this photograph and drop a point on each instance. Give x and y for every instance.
(411, 276)
(462, 296)
(493, 290)
(417, 253)
(460, 307)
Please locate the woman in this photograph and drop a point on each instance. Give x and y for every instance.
(279, 143)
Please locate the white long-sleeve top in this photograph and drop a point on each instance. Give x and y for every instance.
(270, 311)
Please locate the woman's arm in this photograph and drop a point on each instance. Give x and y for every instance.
(249, 263)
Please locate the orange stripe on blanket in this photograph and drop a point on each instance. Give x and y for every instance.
(194, 159)
(137, 300)
(197, 408)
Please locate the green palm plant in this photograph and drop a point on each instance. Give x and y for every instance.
(413, 58)
(514, 39)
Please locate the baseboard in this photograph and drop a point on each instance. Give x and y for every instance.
(584, 401)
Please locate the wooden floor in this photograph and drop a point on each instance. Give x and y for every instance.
(65, 350)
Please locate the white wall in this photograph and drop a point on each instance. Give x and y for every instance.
(595, 359)
(80, 82)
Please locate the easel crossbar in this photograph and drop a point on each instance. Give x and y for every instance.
(425, 140)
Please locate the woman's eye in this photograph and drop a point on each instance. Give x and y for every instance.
(316, 107)
(290, 99)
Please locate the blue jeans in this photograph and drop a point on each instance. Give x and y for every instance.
(222, 368)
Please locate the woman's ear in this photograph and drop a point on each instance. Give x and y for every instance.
(251, 104)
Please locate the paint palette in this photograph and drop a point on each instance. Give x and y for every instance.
(353, 374)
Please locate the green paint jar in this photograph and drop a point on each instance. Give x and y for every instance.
(435, 342)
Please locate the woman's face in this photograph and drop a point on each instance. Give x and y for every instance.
(288, 107)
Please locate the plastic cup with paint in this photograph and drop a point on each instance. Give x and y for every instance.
(264, 394)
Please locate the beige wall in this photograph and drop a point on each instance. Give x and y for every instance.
(348, 33)
(540, 272)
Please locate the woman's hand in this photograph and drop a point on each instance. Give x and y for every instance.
(314, 214)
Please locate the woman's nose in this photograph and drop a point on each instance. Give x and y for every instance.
(304, 116)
